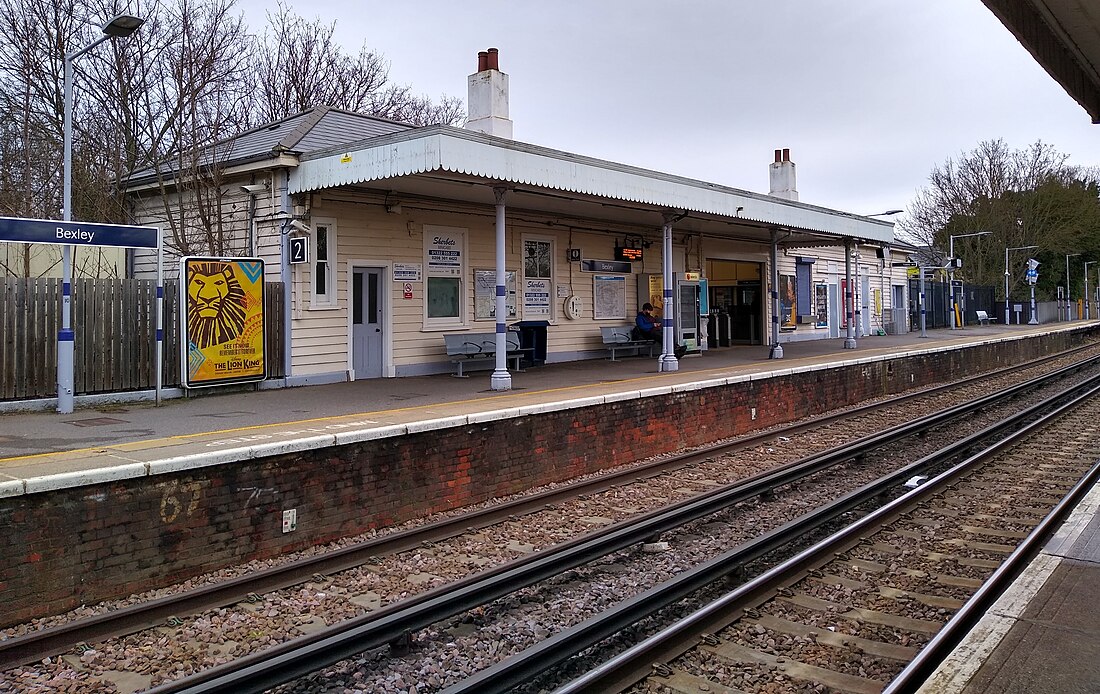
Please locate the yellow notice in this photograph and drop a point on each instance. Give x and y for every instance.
(224, 320)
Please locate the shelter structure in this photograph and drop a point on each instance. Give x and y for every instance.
(408, 234)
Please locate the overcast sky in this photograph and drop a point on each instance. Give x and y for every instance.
(868, 95)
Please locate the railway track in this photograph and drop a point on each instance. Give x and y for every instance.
(53, 641)
(900, 586)
(306, 655)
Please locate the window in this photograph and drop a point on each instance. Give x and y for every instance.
(445, 266)
(323, 240)
(538, 278)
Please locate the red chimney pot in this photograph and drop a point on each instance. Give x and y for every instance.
(778, 155)
(494, 63)
(482, 61)
(786, 155)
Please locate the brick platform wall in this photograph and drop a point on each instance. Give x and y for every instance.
(74, 546)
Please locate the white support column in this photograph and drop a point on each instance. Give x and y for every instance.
(773, 280)
(850, 339)
(501, 379)
(667, 360)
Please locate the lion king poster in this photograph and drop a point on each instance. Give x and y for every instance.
(222, 320)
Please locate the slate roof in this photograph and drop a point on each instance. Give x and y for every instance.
(319, 128)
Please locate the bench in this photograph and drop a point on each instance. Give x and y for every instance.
(465, 349)
(619, 338)
(984, 318)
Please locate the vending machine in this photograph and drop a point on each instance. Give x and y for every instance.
(690, 306)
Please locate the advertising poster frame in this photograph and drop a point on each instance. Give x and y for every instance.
(222, 321)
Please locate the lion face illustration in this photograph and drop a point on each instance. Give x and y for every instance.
(216, 310)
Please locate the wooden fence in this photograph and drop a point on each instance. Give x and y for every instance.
(115, 329)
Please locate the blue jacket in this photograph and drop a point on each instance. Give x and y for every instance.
(646, 323)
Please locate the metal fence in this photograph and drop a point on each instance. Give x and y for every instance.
(115, 328)
(937, 303)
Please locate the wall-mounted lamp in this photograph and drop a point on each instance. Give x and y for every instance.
(254, 188)
(298, 226)
(393, 208)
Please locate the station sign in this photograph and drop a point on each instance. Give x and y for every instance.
(18, 230)
(606, 266)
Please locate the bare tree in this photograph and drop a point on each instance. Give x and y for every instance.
(301, 66)
(1026, 197)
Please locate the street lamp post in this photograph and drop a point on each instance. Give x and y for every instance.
(1014, 248)
(1068, 301)
(1087, 263)
(119, 26)
(951, 273)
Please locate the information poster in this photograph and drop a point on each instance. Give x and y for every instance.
(222, 320)
(485, 294)
(609, 296)
(444, 251)
(536, 298)
(787, 300)
(821, 303)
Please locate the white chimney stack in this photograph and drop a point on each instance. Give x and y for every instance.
(782, 176)
(488, 97)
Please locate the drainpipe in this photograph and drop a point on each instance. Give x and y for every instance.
(281, 181)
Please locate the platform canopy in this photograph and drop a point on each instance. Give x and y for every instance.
(1064, 37)
(447, 163)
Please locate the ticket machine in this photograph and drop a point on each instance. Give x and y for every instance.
(690, 306)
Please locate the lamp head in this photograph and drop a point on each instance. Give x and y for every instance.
(122, 25)
(254, 188)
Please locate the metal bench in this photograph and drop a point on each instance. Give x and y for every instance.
(619, 338)
(984, 318)
(467, 349)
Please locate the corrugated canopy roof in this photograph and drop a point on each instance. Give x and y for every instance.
(456, 164)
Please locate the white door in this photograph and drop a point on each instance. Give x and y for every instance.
(367, 322)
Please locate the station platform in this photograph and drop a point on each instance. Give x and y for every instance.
(100, 442)
(1044, 638)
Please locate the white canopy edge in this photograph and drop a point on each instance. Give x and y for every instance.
(448, 149)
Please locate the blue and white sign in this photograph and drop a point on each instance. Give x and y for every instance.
(536, 298)
(17, 230)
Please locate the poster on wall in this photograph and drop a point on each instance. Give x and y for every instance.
(536, 298)
(845, 303)
(444, 251)
(222, 321)
(485, 294)
(821, 304)
(609, 296)
(657, 295)
(787, 300)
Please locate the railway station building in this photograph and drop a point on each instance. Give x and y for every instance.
(387, 237)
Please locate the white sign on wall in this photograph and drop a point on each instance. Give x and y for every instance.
(407, 272)
(445, 254)
(536, 298)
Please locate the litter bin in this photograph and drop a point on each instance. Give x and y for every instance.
(532, 335)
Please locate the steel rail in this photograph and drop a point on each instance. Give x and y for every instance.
(635, 663)
(524, 666)
(946, 639)
(298, 657)
(52, 641)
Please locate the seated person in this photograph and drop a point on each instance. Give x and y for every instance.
(646, 325)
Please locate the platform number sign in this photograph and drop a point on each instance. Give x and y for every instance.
(299, 250)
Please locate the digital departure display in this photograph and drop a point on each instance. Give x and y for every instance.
(626, 253)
